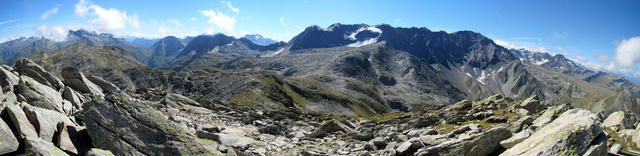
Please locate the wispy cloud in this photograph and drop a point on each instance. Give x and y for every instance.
(105, 19)
(193, 19)
(48, 13)
(558, 35)
(281, 20)
(7, 21)
(231, 6)
(221, 20)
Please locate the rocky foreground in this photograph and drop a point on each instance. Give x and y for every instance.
(85, 115)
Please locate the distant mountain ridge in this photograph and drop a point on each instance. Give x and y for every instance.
(259, 40)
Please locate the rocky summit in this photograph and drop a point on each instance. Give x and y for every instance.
(90, 116)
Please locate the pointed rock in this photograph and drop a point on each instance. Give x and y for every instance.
(20, 122)
(75, 98)
(78, 81)
(28, 68)
(8, 142)
(45, 121)
(72, 139)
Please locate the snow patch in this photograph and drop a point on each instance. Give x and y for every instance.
(541, 62)
(363, 43)
(482, 77)
(469, 75)
(370, 28)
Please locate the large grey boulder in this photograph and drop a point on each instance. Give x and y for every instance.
(27, 68)
(549, 115)
(41, 95)
(38, 147)
(76, 99)
(481, 144)
(572, 133)
(19, 121)
(8, 142)
(104, 85)
(7, 80)
(617, 121)
(531, 104)
(127, 126)
(76, 80)
(45, 121)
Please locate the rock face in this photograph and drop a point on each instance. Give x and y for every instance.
(8, 142)
(78, 81)
(20, 121)
(617, 121)
(128, 127)
(572, 133)
(549, 115)
(480, 144)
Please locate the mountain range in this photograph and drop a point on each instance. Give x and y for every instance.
(378, 67)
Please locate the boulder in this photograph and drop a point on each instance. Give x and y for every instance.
(521, 123)
(572, 133)
(19, 121)
(75, 98)
(72, 139)
(8, 142)
(39, 147)
(480, 144)
(549, 115)
(630, 136)
(76, 80)
(104, 85)
(98, 152)
(27, 68)
(408, 148)
(127, 126)
(177, 100)
(617, 121)
(7, 80)
(330, 127)
(517, 138)
(379, 142)
(40, 95)
(531, 104)
(45, 121)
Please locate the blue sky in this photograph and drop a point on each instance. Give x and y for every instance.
(604, 35)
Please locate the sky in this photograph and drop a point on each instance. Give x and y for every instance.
(602, 35)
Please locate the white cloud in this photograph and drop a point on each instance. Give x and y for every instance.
(174, 21)
(236, 10)
(56, 33)
(223, 21)
(559, 35)
(281, 20)
(105, 19)
(48, 13)
(628, 52)
(7, 21)
(193, 19)
(509, 45)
